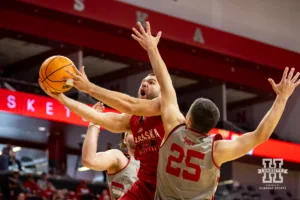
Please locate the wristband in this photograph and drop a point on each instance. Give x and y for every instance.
(92, 124)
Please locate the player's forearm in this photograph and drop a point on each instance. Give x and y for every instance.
(89, 148)
(271, 119)
(103, 119)
(116, 100)
(82, 110)
(160, 69)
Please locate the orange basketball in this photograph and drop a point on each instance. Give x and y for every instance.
(53, 70)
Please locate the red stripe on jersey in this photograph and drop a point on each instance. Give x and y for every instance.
(119, 185)
(129, 158)
(172, 131)
(216, 137)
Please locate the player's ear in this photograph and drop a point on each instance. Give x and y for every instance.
(188, 120)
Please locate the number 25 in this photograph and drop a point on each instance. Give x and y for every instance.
(175, 171)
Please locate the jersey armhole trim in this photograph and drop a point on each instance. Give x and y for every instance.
(173, 130)
(129, 159)
(216, 137)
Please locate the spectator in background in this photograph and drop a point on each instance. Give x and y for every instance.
(31, 186)
(16, 186)
(82, 189)
(72, 196)
(48, 188)
(21, 196)
(104, 195)
(83, 192)
(14, 160)
(44, 184)
(7, 150)
(47, 193)
(12, 156)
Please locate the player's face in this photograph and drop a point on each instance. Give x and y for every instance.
(128, 140)
(149, 88)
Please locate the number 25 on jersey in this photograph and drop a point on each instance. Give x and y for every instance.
(175, 171)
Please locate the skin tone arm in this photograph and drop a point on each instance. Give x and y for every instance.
(170, 112)
(122, 102)
(227, 150)
(113, 122)
(112, 160)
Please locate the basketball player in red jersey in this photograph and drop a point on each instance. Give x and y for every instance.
(121, 169)
(189, 159)
(147, 131)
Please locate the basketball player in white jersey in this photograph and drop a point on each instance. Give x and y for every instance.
(189, 159)
(121, 169)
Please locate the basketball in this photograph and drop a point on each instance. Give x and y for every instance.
(53, 70)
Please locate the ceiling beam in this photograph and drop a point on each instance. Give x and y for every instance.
(202, 84)
(135, 66)
(31, 38)
(22, 143)
(118, 74)
(31, 62)
(197, 63)
(35, 145)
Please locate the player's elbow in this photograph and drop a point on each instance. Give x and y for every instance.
(262, 136)
(87, 162)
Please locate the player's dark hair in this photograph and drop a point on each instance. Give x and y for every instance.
(204, 115)
(122, 144)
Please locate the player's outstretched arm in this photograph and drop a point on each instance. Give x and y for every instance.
(113, 122)
(227, 150)
(170, 112)
(122, 102)
(111, 161)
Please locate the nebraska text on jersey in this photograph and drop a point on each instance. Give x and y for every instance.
(147, 136)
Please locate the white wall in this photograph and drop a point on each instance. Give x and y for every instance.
(274, 22)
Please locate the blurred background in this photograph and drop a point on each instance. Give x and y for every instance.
(219, 49)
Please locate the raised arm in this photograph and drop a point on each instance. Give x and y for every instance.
(170, 112)
(227, 150)
(112, 160)
(113, 122)
(122, 102)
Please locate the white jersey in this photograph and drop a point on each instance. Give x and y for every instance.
(122, 181)
(186, 169)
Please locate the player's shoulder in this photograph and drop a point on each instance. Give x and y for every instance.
(116, 153)
(119, 155)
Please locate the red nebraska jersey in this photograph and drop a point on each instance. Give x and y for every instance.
(148, 134)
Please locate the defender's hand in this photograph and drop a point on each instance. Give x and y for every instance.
(80, 79)
(99, 107)
(146, 40)
(287, 84)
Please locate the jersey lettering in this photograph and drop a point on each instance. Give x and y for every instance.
(147, 136)
(169, 168)
(190, 154)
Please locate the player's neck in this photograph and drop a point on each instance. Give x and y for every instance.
(130, 151)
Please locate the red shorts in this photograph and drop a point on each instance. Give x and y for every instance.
(139, 191)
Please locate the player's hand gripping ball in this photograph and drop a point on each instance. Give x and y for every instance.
(53, 70)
